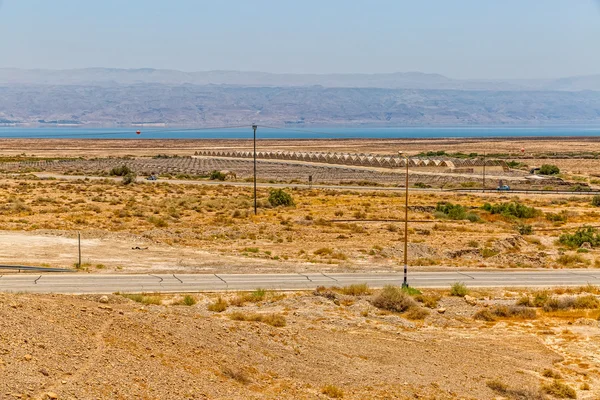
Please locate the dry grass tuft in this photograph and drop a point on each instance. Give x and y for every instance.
(417, 313)
(237, 375)
(550, 373)
(143, 298)
(333, 391)
(219, 305)
(269, 319)
(356, 290)
(502, 389)
(560, 390)
(516, 312)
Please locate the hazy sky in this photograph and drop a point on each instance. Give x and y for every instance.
(457, 38)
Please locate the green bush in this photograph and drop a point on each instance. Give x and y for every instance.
(584, 234)
(451, 211)
(279, 197)
(524, 229)
(455, 212)
(129, 178)
(549, 169)
(560, 217)
(122, 170)
(596, 201)
(217, 176)
(459, 289)
(513, 209)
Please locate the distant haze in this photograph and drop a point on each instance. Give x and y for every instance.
(460, 39)
(399, 80)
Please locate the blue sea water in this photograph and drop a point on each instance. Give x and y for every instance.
(299, 133)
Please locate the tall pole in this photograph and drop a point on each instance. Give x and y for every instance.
(79, 249)
(255, 207)
(484, 171)
(405, 283)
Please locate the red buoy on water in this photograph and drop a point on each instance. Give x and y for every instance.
(138, 132)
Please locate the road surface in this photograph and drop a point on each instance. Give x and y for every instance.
(79, 283)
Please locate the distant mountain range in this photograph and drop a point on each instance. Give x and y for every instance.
(398, 80)
(117, 97)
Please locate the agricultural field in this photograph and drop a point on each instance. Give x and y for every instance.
(334, 343)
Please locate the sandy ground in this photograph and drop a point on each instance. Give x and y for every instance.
(80, 348)
(110, 147)
(120, 252)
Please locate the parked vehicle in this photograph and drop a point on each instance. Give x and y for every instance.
(503, 187)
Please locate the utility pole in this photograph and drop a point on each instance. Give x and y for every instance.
(405, 282)
(255, 207)
(484, 171)
(79, 249)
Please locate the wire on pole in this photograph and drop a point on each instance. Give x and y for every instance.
(254, 127)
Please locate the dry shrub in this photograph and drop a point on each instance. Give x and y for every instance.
(392, 298)
(484, 315)
(571, 302)
(248, 297)
(237, 375)
(322, 291)
(429, 301)
(560, 390)
(417, 313)
(333, 391)
(219, 305)
(502, 389)
(459, 289)
(550, 373)
(143, 298)
(187, 300)
(492, 314)
(269, 319)
(358, 289)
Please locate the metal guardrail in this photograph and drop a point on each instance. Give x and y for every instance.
(36, 269)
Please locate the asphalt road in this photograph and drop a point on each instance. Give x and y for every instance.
(46, 175)
(78, 283)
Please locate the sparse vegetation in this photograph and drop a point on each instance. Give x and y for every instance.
(122, 170)
(512, 210)
(279, 197)
(503, 390)
(333, 392)
(269, 319)
(187, 300)
(454, 212)
(358, 289)
(569, 260)
(560, 390)
(459, 289)
(218, 305)
(237, 375)
(393, 298)
(584, 234)
(549, 169)
(143, 298)
(217, 176)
